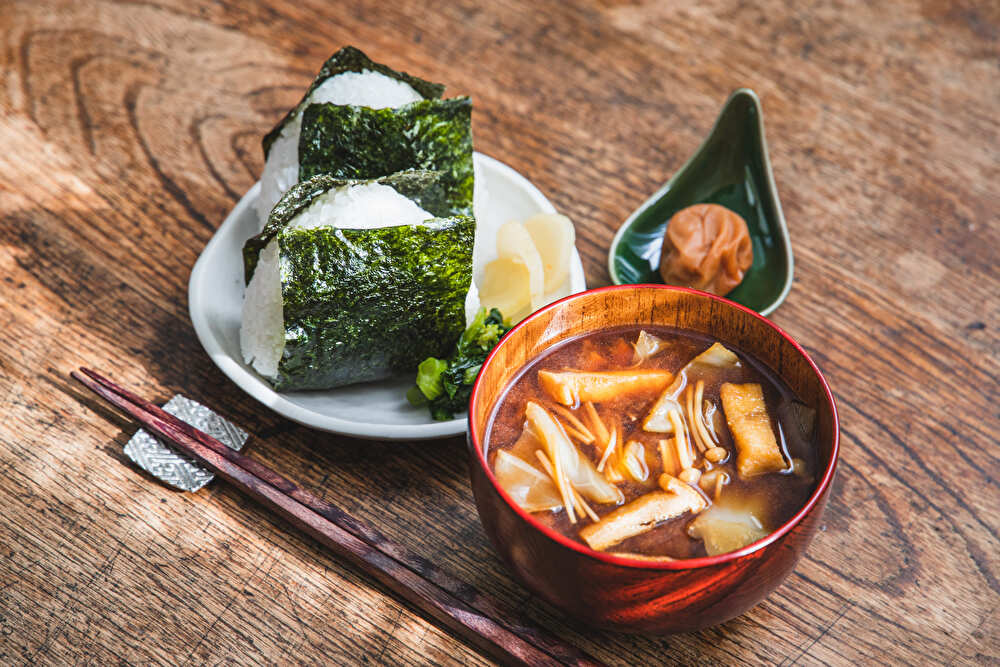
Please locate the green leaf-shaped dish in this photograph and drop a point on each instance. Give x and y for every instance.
(730, 168)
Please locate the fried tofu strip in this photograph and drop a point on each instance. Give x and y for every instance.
(757, 448)
(641, 515)
(572, 387)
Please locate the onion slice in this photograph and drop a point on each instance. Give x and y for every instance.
(528, 486)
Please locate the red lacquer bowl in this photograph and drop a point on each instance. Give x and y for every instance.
(618, 592)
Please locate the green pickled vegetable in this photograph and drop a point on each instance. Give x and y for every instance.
(445, 386)
(359, 142)
(429, 374)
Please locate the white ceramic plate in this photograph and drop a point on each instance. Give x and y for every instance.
(377, 410)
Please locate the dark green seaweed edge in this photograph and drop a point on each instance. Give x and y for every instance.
(435, 135)
(377, 315)
(423, 187)
(351, 59)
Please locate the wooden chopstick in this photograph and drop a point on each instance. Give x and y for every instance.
(458, 606)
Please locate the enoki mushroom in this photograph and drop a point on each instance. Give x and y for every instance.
(684, 456)
(667, 456)
(586, 436)
(691, 419)
(608, 451)
(599, 429)
(700, 418)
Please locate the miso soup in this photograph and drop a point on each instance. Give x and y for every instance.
(652, 441)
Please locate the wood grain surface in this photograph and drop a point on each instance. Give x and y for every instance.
(129, 129)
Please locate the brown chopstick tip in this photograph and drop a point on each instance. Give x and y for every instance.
(94, 375)
(83, 378)
(111, 385)
(95, 381)
(92, 386)
(104, 388)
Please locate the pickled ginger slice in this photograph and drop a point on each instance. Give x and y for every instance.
(553, 236)
(514, 243)
(572, 387)
(757, 448)
(542, 247)
(506, 286)
(530, 488)
(348, 77)
(716, 356)
(725, 528)
(641, 515)
(577, 469)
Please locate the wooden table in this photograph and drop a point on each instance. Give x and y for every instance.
(129, 129)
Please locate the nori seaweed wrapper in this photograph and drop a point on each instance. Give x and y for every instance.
(351, 59)
(364, 304)
(423, 187)
(359, 142)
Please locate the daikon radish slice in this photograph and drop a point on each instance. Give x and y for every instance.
(529, 487)
(571, 387)
(506, 286)
(553, 236)
(717, 356)
(515, 243)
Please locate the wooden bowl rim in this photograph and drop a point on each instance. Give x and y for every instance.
(683, 564)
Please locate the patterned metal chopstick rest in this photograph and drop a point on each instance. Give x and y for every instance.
(180, 472)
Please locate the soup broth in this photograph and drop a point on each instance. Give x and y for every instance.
(654, 442)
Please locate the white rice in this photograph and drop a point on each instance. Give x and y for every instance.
(366, 206)
(262, 335)
(366, 88)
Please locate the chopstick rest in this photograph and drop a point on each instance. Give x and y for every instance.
(149, 453)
